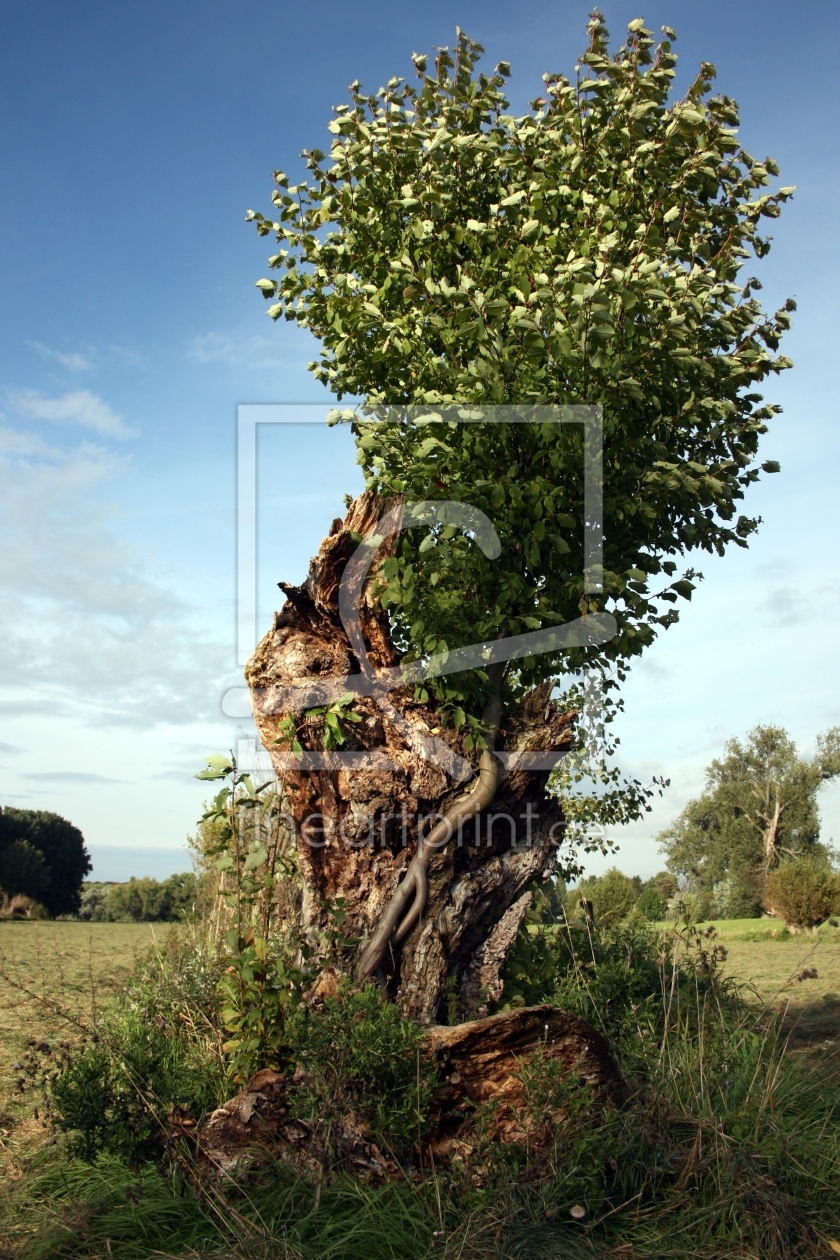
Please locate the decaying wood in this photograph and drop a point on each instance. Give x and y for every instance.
(258, 1123)
(481, 1065)
(358, 826)
(481, 1097)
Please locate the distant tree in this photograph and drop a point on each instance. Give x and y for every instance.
(42, 856)
(612, 895)
(759, 807)
(23, 870)
(150, 900)
(92, 904)
(652, 903)
(803, 892)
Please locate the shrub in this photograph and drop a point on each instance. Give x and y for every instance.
(803, 892)
(150, 901)
(359, 1053)
(737, 897)
(614, 976)
(613, 895)
(652, 904)
(158, 1046)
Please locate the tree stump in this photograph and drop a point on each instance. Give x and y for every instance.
(482, 1065)
(357, 826)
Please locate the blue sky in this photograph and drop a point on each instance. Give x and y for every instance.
(134, 137)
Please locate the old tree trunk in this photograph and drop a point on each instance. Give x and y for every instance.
(357, 817)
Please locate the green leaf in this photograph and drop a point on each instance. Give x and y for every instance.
(255, 858)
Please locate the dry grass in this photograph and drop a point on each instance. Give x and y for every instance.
(69, 967)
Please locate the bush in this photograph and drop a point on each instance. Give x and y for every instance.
(614, 976)
(737, 897)
(652, 904)
(359, 1054)
(803, 892)
(158, 1047)
(613, 895)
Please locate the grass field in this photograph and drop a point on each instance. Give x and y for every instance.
(68, 968)
(772, 967)
(73, 967)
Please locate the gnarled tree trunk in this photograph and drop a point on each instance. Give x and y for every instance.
(357, 817)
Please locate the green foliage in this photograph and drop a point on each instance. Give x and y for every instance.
(264, 963)
(625, 978)
(803, 892)
(652, 904)
(146, 900)
(92, 900)
(156, 1048)
(42, 856)
(612, 895)
(447, 253)
(359, 1053)
(759, 806)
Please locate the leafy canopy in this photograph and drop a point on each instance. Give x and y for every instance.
(43, 856)
(758, 809)
(447, 253)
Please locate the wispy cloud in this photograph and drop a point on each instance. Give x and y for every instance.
(71, 776)
(9, 750)
(78, 407)
(74, 362)
(254, 350)
(93, 630)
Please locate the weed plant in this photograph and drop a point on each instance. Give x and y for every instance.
(359, 1054)
(159, 1046)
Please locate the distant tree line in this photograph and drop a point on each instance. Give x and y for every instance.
(139, 900)
(43, 863)
(748, 845)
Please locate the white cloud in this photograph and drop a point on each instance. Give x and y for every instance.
(78, 407)
(87, 627)
(75, 362)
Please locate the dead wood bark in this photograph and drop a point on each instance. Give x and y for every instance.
(482, 1064)
(358, 825)
(481, 1098)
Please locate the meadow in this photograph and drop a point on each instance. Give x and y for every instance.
(55, 970)
(54, 976)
